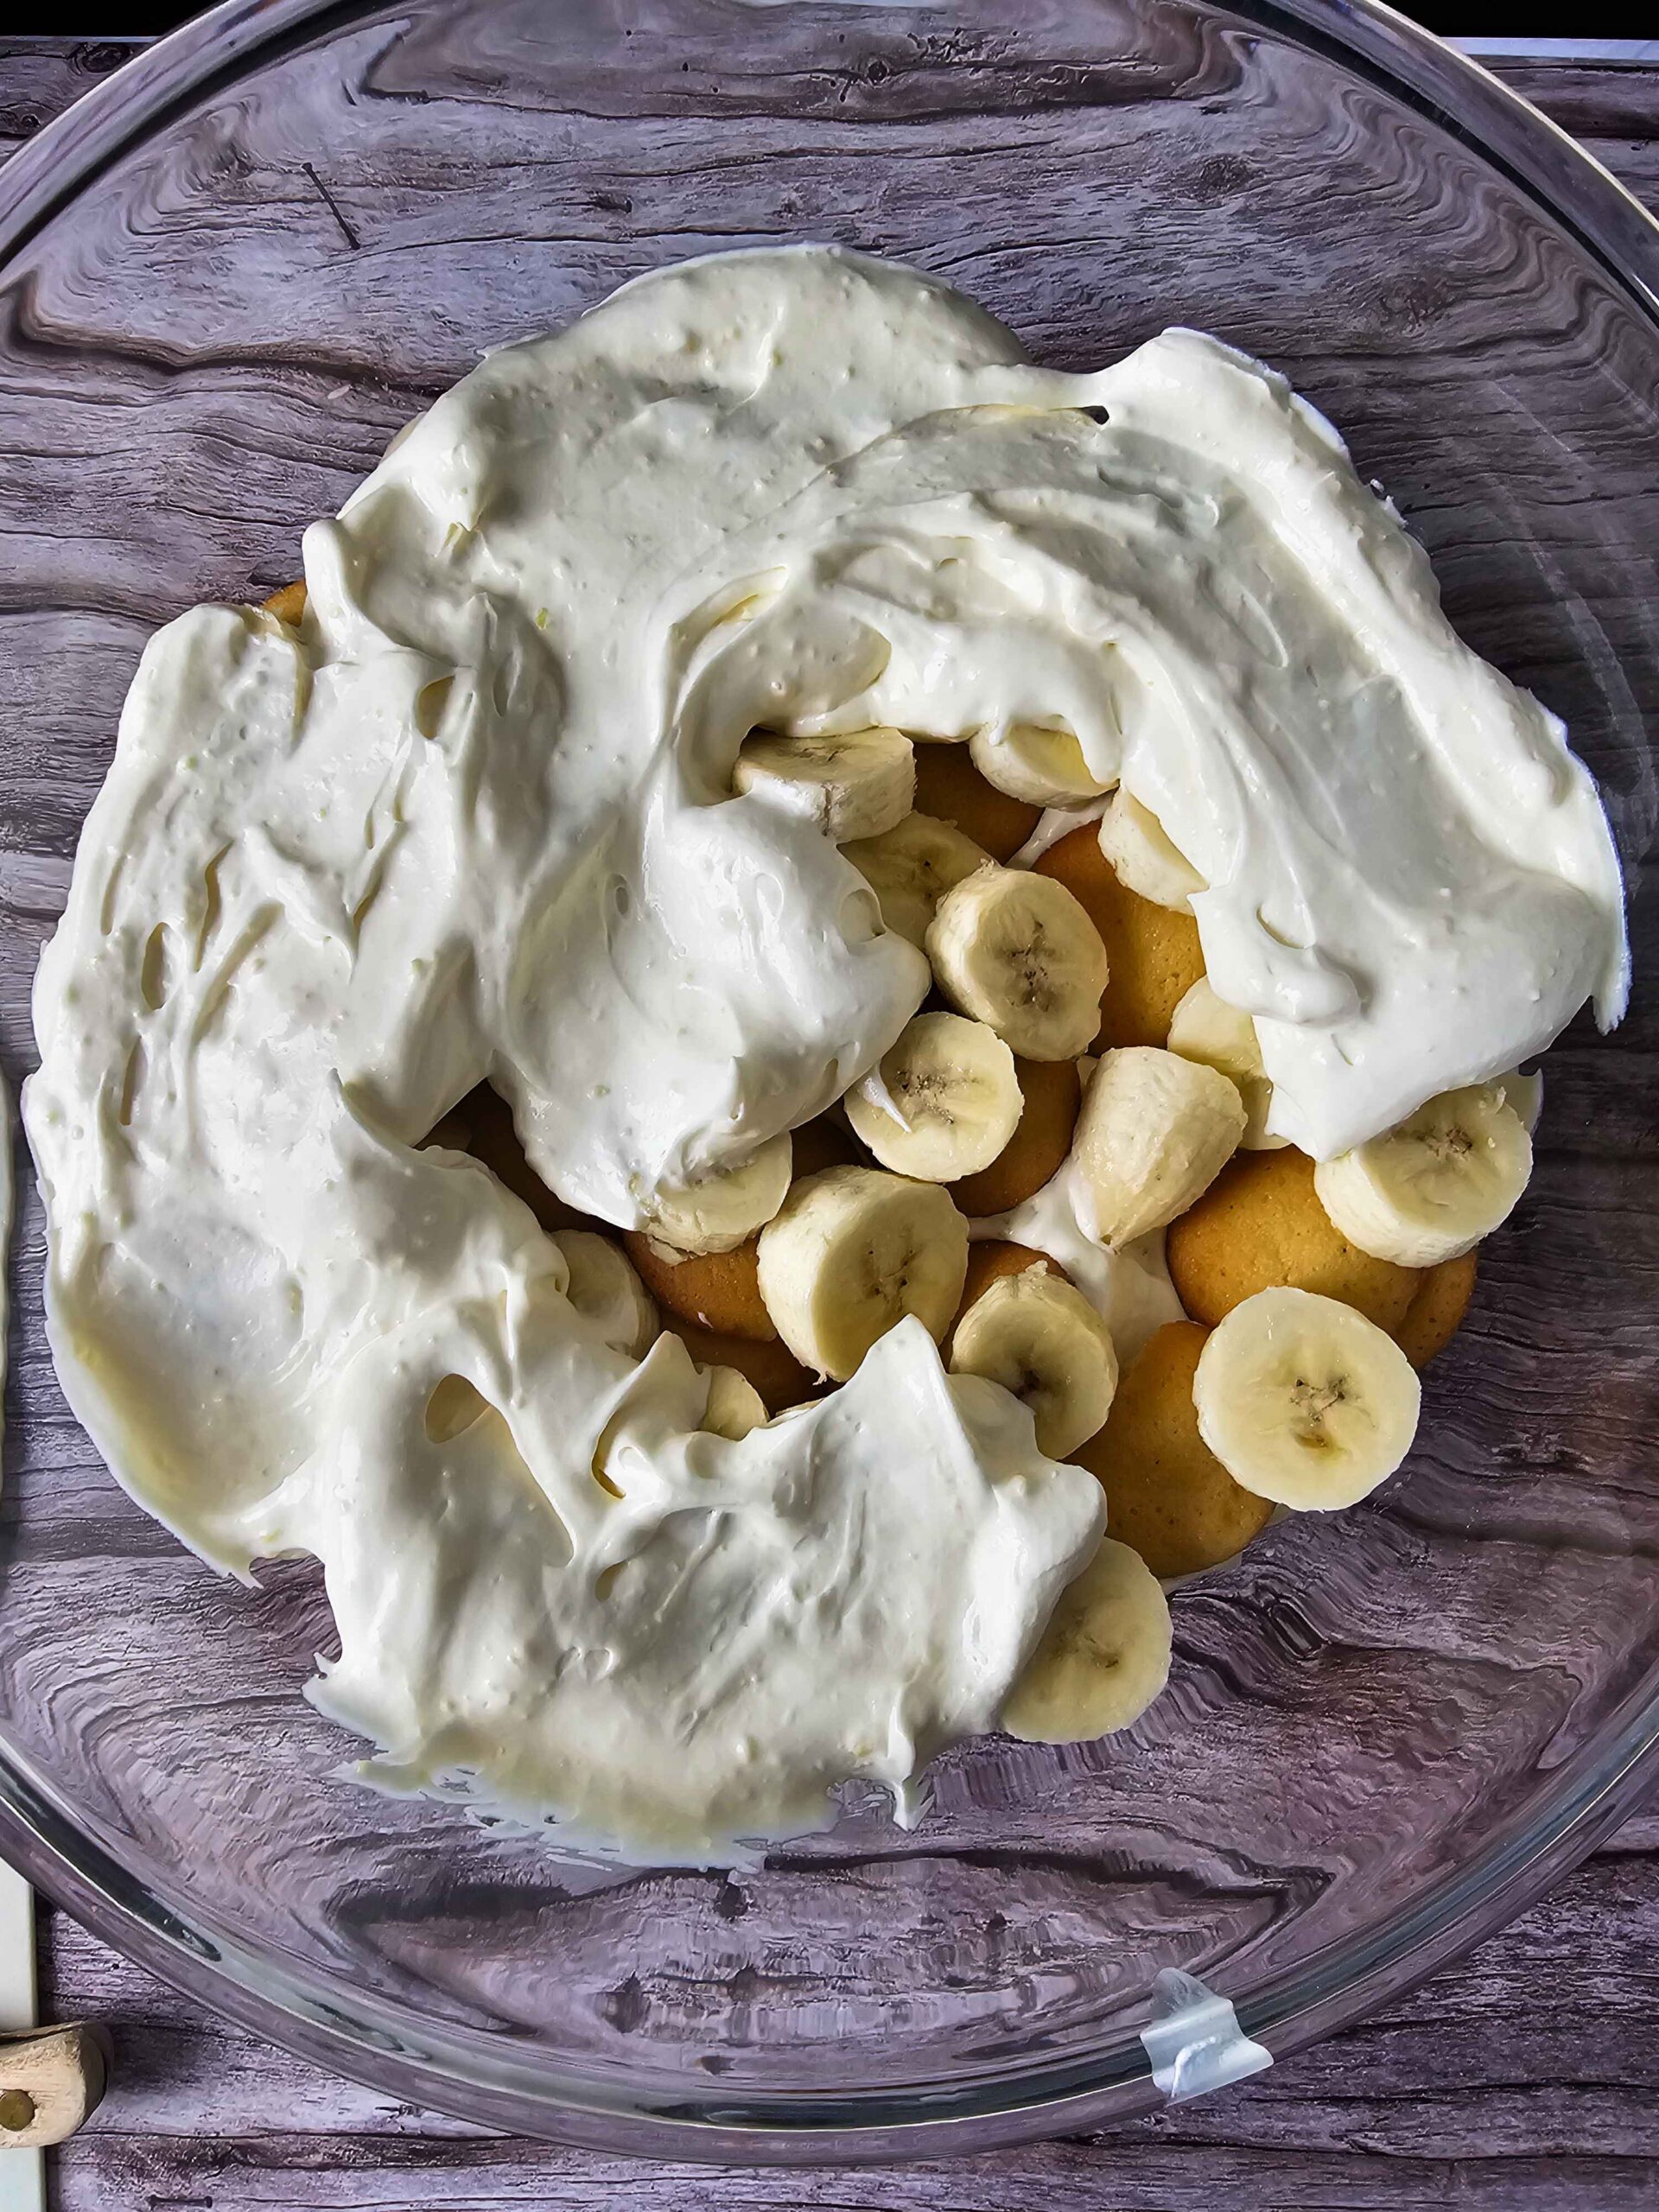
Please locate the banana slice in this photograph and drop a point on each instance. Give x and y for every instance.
(1018, 952)
(857, 785)
(604, 1288)
(716, 1214)
(1430, 1190)
(1206, 1029)
(1045, 767)
(1155, 1133)
(1304, 1401)
(1102, 1658)
(1041, 1339)
(852, 1251)
(942, 1102)
(910, 867)
(734, 1405)
(1135, 842)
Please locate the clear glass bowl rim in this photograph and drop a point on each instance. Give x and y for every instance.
(491, 2081)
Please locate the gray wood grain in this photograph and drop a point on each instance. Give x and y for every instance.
(1525, 2077)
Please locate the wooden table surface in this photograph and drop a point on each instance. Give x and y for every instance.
(1525, 2077)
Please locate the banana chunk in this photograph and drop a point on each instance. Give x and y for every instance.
(858, 785)
(1102, 1658)
(734, 1405)
(910, 867)
(1017, 951)
(716, 1214)
(604, 1288)
(1042, 1340)
(1430, 1190)
(1140, 849)
(1045, 767)
(1155, 1133)
(853, 1252)
(1304, 1401)
(1205, 1028)
(942, 1102)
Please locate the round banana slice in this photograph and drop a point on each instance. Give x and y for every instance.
(605, 1289)
(1431, 1189)
(944, 1101)
(1205, 1028)
(851, 1253)
(910, 867)
(857, 785)
(1102, 1658)
(1135, 842)
(716, 1214)
(1304, 1401)
(1042, 1340)
(1045, 767)
(1155, 1133)
(1018, 952)
(734, 1405)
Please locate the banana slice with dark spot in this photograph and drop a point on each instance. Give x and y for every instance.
(1017, 951)
(942, 1103)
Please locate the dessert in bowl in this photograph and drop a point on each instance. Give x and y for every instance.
(547, 787)
(1383, 1728)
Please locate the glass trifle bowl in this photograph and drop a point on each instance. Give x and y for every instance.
(229, 275)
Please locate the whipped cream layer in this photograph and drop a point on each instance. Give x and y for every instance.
(474, 820)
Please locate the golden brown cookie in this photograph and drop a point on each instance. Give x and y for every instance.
(993, 1256)
(1053, 1091)
(1152, 954)
(1438, 1305)
(950, 789)
(1168, 1496)
(287, 605)
(714, 1290)
(772, 1368)
(1260, 1225)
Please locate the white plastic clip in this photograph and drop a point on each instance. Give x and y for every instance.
(1196, 2044)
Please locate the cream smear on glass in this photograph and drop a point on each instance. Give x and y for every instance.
(474, 820)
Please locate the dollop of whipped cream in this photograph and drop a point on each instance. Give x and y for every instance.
(475, 821)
